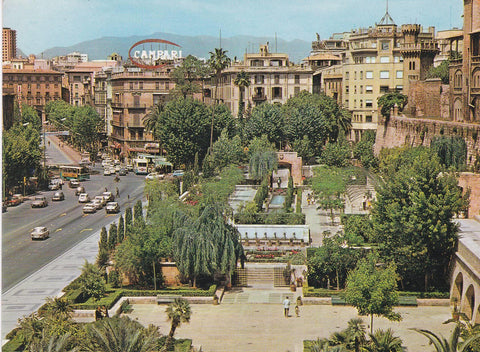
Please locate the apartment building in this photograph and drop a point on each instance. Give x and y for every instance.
(465, 70)
(273, 79)
(9, 44)
(134, 91)
(33, 87)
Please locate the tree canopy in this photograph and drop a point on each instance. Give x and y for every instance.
(389, 100)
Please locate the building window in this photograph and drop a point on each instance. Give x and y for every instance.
(276, 79)
(383, 89)
(385, 45)
(368, 118)
(131, 85)
(399, 74)
(296, 90)
(361, 74)
(396, 59)
(384, 74)
(140, 85)
(355, 75)
(354, 103)
(76, 85)
(277, 93)
(369, 89)
(157, 85)
(369, 74)
(167, 86)
(399, 88)
(347, 89)
(368, 103)
(384, 59)
(256, 63)
(347, 75)
(354, 89)
(38, 85)
(361, 103)
(411, 65)
(297, 79)
(76, 95)
(258, 79)
(457, 83)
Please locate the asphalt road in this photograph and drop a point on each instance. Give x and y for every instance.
(65, 220)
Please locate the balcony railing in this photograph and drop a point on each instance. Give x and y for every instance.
(259, 97)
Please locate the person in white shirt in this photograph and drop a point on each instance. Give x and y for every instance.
(286, 306)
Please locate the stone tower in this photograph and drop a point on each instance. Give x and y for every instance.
(418, 54)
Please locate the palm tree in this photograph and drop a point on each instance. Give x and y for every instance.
(178, 312)
(150, 120)
(384, 341)
(441, 344)
(218, 62)
(120, 334)
(58, 308)
(241, 81)
(356, 331)
(30, 328)
(53, 344)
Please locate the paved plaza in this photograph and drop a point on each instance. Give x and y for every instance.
(245, 326)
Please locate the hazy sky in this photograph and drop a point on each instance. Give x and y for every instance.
(42, 24)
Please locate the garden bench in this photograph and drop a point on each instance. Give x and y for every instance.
(338, 300)
(166, 298)
(407, 301)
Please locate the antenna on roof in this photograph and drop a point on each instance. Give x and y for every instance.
(387, 19)
(220, 38)
(275, 42)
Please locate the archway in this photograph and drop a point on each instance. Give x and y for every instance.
(457, 289)
(469, 304)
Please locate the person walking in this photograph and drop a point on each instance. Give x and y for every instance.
(297, 310)
(117, 192)
(286, 306)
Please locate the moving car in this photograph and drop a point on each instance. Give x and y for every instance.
(112, 207)
(122, 172)
(53, 186)
(89, 208)
(101, 199)
(97, 203)
(108, 196)
(79, 190)
(177, 173)
(39, 202)
(154, 175)
(40, 232)
(58, 196)
(106, 172)
(129, 167)
(83, 198)
(73, 183)
(19, 197)
(14, 201)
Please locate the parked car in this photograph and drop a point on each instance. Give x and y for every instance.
(122, 172)
(40, 232)
(97, 203)
(129, 167)
(101, 199)
(18, 196)
(83, 198)
(89, 208)
(73, 183)
(177, 173)
(39, 202)
(117, 168)
(108, 196)
(106, 172)
(79, 190)
(58, 196)
(112, 207)
(154, 175)
(14, 201)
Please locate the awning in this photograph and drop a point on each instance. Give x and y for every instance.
(162, 163)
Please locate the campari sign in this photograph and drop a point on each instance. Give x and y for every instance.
(152, 59)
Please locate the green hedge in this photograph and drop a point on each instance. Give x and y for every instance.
(425, 294)
(298, 208)
(181, 291)
(109, 301)
(309, 291)
(75, 296)
(15, 344)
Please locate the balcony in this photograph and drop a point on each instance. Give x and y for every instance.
(117, 123)
(135, 106)
(259, 97)
(135, 122)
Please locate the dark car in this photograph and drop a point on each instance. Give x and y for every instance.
(73, 183)
(122, 172)
(79, 190)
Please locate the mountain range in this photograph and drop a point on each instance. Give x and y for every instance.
(200, 46)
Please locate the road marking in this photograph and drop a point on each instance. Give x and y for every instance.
(57, 230)
(85, 230)
(84, 215)
(107, 215)
(63, 214)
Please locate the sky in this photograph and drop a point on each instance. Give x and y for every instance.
(43, 24)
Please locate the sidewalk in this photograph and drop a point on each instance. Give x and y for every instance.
(65, 149)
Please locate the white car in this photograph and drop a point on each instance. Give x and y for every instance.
(112, 207)
(154, 175)
(98, 203)
(106, 172)
(40, 232)
(101, 199)
(83, 198)
(108, 196)
(89, 208)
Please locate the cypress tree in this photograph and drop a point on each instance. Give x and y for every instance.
(103, 243)
(112, 236)
(138, 211)
(121, 230)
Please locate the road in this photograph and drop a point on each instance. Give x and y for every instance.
(67, 224)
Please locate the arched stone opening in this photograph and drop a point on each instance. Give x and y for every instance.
(469, 304)
(457, 289)
(477, 319)
(283, 173)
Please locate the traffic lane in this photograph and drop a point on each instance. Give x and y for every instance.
(69, 227)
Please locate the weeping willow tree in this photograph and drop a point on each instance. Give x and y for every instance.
(262, 163)
(207, 245)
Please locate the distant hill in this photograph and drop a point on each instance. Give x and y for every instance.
(199, 46)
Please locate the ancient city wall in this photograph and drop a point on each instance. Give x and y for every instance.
(428, 98)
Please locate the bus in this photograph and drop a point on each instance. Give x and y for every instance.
(140, 166)
(80, 173)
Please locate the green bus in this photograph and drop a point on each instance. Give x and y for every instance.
(80, 173)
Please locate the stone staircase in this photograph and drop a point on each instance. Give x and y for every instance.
(260, 277)
(268, 276)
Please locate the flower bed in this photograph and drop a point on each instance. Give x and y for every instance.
(273, 254)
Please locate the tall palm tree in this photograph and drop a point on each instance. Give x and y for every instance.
(53, 344)
(178, 312)
(150, 120)
(30, 328)
(356, 331)
(441, 344)
(384, 341)
(120, 334)
(218, 62)
(241, 81)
